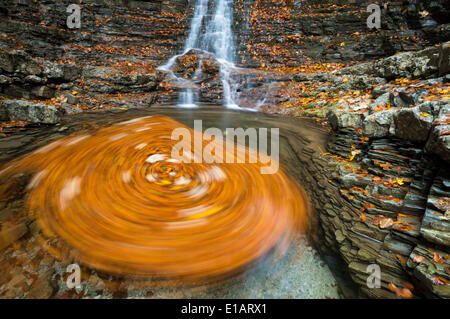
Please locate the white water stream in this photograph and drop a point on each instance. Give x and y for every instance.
(217, 39)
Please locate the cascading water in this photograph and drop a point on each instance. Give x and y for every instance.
(217, 39)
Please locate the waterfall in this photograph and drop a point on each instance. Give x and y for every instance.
(217, 39)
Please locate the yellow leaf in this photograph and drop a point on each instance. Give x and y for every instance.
(424, 114)
(399, 181)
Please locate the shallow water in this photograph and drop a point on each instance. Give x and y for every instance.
(300, 273)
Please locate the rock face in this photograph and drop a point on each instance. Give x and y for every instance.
(290, 32)
(399, 111)
(114, 53)
(391, 170)
(380, 208)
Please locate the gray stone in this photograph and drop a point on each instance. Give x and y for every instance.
(44, 92)
(379, 124)
(382, 100)
(4, 79)
(34, 79)
(24, 111)
(53, 71)
(19, 61)
(432, 60)
(340, 118)
(413, 124)
(17, 110)
(40, 113)
(72, 99)
(438, 141)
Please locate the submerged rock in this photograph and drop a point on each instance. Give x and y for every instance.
(196, 65)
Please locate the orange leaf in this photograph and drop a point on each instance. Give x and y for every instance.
(392, 287)
(438, 259)
(408, 285)
(439, 281)
(418, 259)
(404, 292)
(400, 258)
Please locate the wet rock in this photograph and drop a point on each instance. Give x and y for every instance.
(210, 66)
(429, 272)
(44, 92)
(34, 79)
(342, 117)
(4, 79)
(419, 64)
(397, 246)
(20, 62)
(413, 124)
(72, 99)
(439, 139)
(410, 65)
(435, 226)
(381, 100)
(359, 82)
(188, 64)
(108, 80)
(28, 111)
(380, 124)
(55, 72)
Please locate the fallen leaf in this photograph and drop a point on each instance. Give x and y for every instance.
(439, 281)
(408, 285)
(401, 258)
(418, 259)
(438, 259)
(392, 287)
(403, 293)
